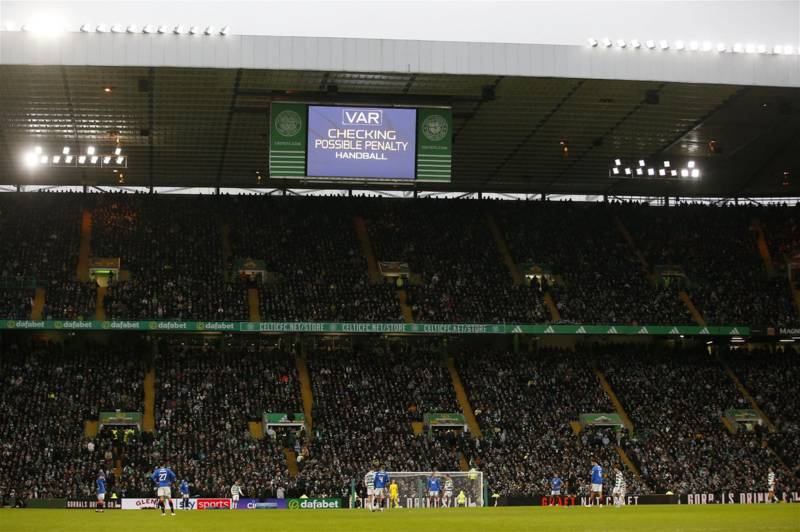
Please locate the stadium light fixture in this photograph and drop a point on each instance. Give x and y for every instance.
(132, 28)
(30, 159)
(209, 30)
(65, 150)
(148, 29)
(43, 159)
(56, 159)
(94, 159)
(788, 49)
(706, 46)
(617, 162)
(627, 171)
(738, 48)
(117, 28)
(695, 173)
(179, 30)
(106, 159)
(615, 171)
(86, 28)
(621, 43)
(690, 164)
(662, 172)
(673, 173)
(118, 150)
(607, 42)
(38, 150)
(694, 46)
(90, 150)
(721, 48)
(664, 45)
(101, 28)
(641, 162)
(636, 44)
(194, 30)
(45, 27)
(639, 171)
(750, 48)
(684, 172)
(666, 164)
(680, 46)
(761, 48)
(119, 160)
(10, 26)
(68, 159)
(224, 31)
(651, 172)
(81, 159)
(650, 44)
(162, 29)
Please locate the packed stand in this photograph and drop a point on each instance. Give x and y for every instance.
(771, 377)
(599, 278)
(172, 247)
(717, 250)
(206, 393)
(70, 300)
(524, 404)
(310, 247)
(676, 400)
(39, 242)
(365, 400)
(448, 244)
(43, 450)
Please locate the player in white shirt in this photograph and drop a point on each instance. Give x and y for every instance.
(369, 482)
(771, 486)
(448, 492)
(619, 488)
(236, 492)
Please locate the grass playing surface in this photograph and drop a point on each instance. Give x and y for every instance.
(646, 518)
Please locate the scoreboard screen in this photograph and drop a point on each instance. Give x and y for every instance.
(356, 143)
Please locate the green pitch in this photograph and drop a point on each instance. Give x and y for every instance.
(650, 518)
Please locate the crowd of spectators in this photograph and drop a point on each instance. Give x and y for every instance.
(311, 247)
(771, 377)
(525, 404)
(206, 393)
(599, 278)
(365, 400)
(676, 400)
(448, 244)
(717, 249)
(48, 391)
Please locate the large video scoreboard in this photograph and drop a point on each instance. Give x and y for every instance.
(357, 143)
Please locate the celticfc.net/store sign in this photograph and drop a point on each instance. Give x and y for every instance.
(313, 504)
(375, 328)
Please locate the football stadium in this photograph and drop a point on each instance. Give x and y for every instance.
(384, 265)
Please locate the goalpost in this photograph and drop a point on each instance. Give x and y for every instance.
(413, 487)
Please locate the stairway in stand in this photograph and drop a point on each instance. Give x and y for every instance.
(291, 462)
(463, 400)
(305, 393)
(149, 417)
(253, 304)
(85, 250)
(37, 309)
(367, 250)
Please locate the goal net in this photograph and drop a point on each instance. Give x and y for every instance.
(413, 488)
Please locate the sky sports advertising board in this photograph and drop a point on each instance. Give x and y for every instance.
(356, 143)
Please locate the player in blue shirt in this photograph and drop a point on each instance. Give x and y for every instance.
(381, 485)
(101, 491)
(164, 477)
(434, 489)
(184, 489)
(555, 486)
(597, 483)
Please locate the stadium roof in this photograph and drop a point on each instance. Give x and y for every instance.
(208, 127)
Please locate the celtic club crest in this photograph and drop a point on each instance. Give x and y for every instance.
(434, 128)
(288, 123)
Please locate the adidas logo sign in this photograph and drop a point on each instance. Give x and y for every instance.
(549, 330)
(612, 330)
(674, 330)
(516, 329)
(643, 330)
(580, 330)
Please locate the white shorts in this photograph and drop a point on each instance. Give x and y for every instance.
(235, 498)
(185, 495)
(771, 487)
(101, 496)
(618, 492)
(370, 492)
(379, 492)
(433, 494)
(553, 493)
(164, 492)
(448, 494)
(597, 487)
